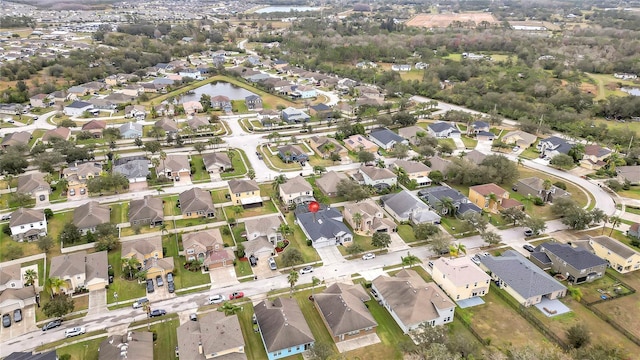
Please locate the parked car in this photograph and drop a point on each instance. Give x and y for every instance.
(272, 264)
(157, 312)
(159, 280)
(140, 302)
(52, 325)
(476, 259)
(215, 299)
(236, 295)
(528, 232)
(368, 256)
(72, 192)
(171, 287)
(306, 270)
(83, 191)
(193, 317)
(17, 315)
(74, 331)
(6, 320)
(6, 217)
(516, 148)
(529, 248)
(150, 288)
(170, 277)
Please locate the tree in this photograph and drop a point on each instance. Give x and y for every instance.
(314, 282)
(45, 243)
(292, 279)
(231, 154)
(614, 221)
(56, 284)
(199, 147)
(69, 234)
(400, 151)
(513, 214)
(445, 148)
(351, 190)
(505, 170)
(292, 257)
(357, 219)
(157, 133)
(381, 240)
(409, 260)
(456, 249)
(229, 308)
(354, 248)
(474, 221)
(251, 174)
(319, 169)
(130, 266)
(30, 277)
(13, 162)
(321, 351)
(107, 243)
(278, 180)
(425, 230)
(21, 199)
(578, 335)
(439, 243)
(48, 213)
(597, 215)
(537, 225)
(59, 306)
(562, 205)
(436, 177)
(138, 142)
(562, 161)
(152, 146)
(364, 157)
(446, 206)
(491, 237)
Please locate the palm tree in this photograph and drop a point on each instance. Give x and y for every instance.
(292, 278)
(130, 265)
(456, 249)
(30, 277)
(409, 260)
(357, 219)
(280, 179)
(163, 228)
(447, 206)
(163, 157)
(229, 308)
(615, 221)
(402, 175)
(231, 154)
(56, 284)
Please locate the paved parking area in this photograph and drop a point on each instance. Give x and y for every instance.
(160, 293)
(221, 277)
(97, 301)
(262, 270)
(359, 342)
(138, 186)
(330, 255)
(27, 324)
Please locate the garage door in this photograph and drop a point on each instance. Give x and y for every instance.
(96, 286)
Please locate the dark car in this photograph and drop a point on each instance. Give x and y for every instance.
(150, 288)
(159, 280)
(171, 287)
(170, 277)
(52, 325)
(529, 248)
(6, 320)
(157, 312)
(17, 315)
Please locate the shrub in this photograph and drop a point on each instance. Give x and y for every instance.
(48, 213)
(65, 357)
(309, 242)
(614, 185)
(538, 201)
(226, 231)
(155, 335)
(6, 229)
(560, 184)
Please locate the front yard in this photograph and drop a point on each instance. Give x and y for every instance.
(298, 240)
(237, 212)
(126, 289)
(240, 164)
(183, 278)
(86, 350)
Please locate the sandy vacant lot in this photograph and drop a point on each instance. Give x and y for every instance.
(444, 20)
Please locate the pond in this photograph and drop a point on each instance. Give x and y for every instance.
(272, 9)
(214, 89)
(631, 91)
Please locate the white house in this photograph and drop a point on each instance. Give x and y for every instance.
(28, 224)
(77, 108)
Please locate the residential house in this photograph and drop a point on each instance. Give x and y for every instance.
(147, 210)
(77, 176)
(519, 138)
(135, 170)
(620, 257)
(10, 277)
(15, 139)
(321, 111)
(293, 115)
(304, 92)
(95, 127)
(634, 230)
(324, 227)
(135, 111)
(296, 190)
(485, 136)
(41, 101)
(283, 328)
(49, 355)
(133, 345)
(553, 146)
(175, 165)
(81, 270)
(460, 278)
(60, 133)
(199, 123)
(192, 107)
(191, 73)
(413, 302)
(328, 182)
(78, 91)
(594, 157)
(576, 264)
(379, 178)
(131, 130)
(386, 138)
(195, 203)
(244, 192)
(59, 96)
(492, 197)
(168, 125)
(148, 252)
(217, 162)
(343, 311)
(520, 278)
(475, 157)
(535, 187)
(326, 146)
(213, 336)
(370, 219)
(477, 127)
(207, 247)
(443, 130)
(221, 102)
(413, 134)
(435, 197)
(253, 102)
(292, 153)
(27, 224)
(357, 143)
(77, 108)
(132, 90)
(279, 64)
(263, 234)
(421, 66)
(87, 217)
(624, 174)
(401, 67)
(33, 184)
(405, 206)
(119, 98)
(345, 109)
(415, 170)
(165, 109)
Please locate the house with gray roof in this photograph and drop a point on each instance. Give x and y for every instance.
(131, 130)
(135, 170)
(328, 182)
(553, 146)
(27, 224)
(440, 164)
(291, 153)
(343, 311)
(80, 270)
(628, 173)
(413, 134)
(207, 247)
(377, 177)
(88, 216)
(619, 256)
(412, 302)
(292, 115)
(10, 277)
(213, 336)
(264, 228)
(434, 196)
(217, 162)
(49, 355)
(296, 190)
(522, 279)
(148, 210)
(77, 108)
(16, 138)
(475, 157)
(132, 345)
(405, 206)
(386, 138)
(196, 202)
(33, 184)
(443, 130)
(323, 228)
(534, 187)
(478, 126)
(168, 125)
(576, 264)
(283, 328)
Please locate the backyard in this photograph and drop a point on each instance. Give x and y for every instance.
(86, 350)
(238, 212)
(252, 340)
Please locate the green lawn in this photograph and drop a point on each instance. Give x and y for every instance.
(243, 268)
(469, 143)
(165, 346)
(56, 223)
(239, 168)
(253, 347)
(86, 350)
(268, 207)
(79, 303)
(633, 193)
(170, 205)
(35, 135)
(276, 163)
(530, 153)
(183, 278)
(237, 230)
(406, 233)
(200, 172)
(220, 196)
(126, 289)
(299, 241)
(119, 213)
(447, 141)
(319, 330)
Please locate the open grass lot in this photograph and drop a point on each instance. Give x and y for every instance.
(243, 268)
(406, 233)
(7, 202)
(219, 196)
(624, 310)
(170, 205)
(56, 223)
(608, 85)
(86, 350)
(316, 160)
(268, 207)
(28, 248)
(633, 193)
(237, 230)
(447, 141)
(252, 340)
(497, 321)
(530, 153)
(239, 167)
(164, 347)
(363, 241)
(126, 289)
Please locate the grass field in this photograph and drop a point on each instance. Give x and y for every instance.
(239, 167)
(607, 85)
(86, 350)
(406, 233)
(253, 341)
(126, 289)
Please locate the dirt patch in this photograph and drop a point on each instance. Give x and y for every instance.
(624, 311)
(444, 20)
(589, 88)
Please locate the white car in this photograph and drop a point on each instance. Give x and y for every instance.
(368, 256)
(215, 299)
(306, 270)
(74, 332)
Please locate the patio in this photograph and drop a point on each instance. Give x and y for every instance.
(552, 307)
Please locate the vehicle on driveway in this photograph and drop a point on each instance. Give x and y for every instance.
(150, 288)
(476, 259)
(272, 264)
(169, 277)
(236, 295)
(529, 248)
(52, 325)
(74, 331)
(528, 232)
(368, 256)
(171, 287)
(6, 320)
(306, 270)
(157, 312)
(193, 317)
(159, 280)
(215, 299)
(139, 303)
(17, 315)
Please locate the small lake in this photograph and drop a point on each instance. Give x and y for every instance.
(631, 91)
(272, 9)
(217, 88)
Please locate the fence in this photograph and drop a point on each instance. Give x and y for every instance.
(466, 324)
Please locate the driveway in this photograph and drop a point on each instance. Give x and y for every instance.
(330, 255)
(484, 147)
(221, 277)
(137, 186)
(397, 243)
(27, 324)
(160, 293)
(262, 270)
(98, 301)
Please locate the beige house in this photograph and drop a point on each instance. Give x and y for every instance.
(213, 336)
(359, 143)
(413, 134)
(80, 270)
(77, 176)
(88, 216)
(519, 138)
(217, 162)
(460, 278)
(62, 133)
(195, 203)
(594, 157)
(132, 345)
(325, 146)
(147, 210)
(492, 197)
(296, 190)
(371, 215)
(175, 166)
(328, 182)
(415, 171)
(34, 184)
(148, 252)
(620, 257)
(207, 246)
(95, 127)
(244, 192)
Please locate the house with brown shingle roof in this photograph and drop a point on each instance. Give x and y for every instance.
(132, 345)
(375, 176)
(88, 216)
(59, 133)
(207, 247)
(80, 270)
(175, 165)
(328, 182)
(148, 210)
(213, 336)
(148, 251)
(296, 190)
(519, 138)
(217, 162)
(492, 197)
(360, 143)
(413, 134)
(372, 218)
(594, 157)
(168, 125)
(412, 302)
(415, 170)
(10, 277)
(196, 202)
(628, 173)
(16, 138)
(95, 127)
(34, 184)
(244, 192)
(326, 146)
(344, 313)
(27, 224)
